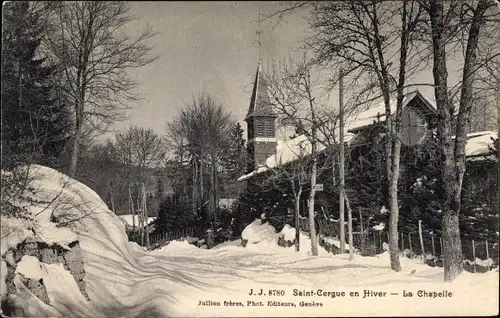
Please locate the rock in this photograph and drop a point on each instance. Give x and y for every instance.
(71, 259)
(285, 243)
(37, 287)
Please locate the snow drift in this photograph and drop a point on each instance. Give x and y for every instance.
(125, 281)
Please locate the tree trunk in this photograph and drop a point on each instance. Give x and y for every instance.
(131, 206)
(361, 229)
(140, 215)
(312, 225)
(112, 201)
(201, 194)
(194, 194)
(297, 218)
(341, 167)
(394, 207)
(145, 212)
(76, 141)
(74, 153)
(498, 147)
(349, 227)
(452, 246)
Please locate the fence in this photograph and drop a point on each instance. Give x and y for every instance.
(478, 255)
(160, 238)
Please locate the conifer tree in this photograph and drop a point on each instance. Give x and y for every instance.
(35, 121)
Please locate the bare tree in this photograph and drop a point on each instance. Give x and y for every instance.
(293, 175)
(291, 90)
(201, 131)
(124, 147)
(467, 23)
(359, 37)
(148, 154)
(89, 44)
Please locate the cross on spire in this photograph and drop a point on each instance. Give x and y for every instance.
(259, 32)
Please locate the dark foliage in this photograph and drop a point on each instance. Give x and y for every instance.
(35, 122)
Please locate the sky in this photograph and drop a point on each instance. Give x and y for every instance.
(211, 46)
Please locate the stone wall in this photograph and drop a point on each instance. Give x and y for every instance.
(71, 258)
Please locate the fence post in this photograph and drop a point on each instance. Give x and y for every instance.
(433, 249)
(409, 240)
(474, 254)
(421, 240)
(488, 256)
(402, 245)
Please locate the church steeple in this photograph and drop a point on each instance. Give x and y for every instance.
(261, 123)
(261, 118)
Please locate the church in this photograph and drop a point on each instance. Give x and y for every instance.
(268, 150)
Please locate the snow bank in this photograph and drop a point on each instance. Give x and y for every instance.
(256, 232)
(288, 233)
(176, 246)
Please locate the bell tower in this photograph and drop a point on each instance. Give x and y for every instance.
(261, 123)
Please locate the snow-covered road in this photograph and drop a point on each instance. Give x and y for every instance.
(178, 280)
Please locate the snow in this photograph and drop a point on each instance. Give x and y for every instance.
(377, 113)
(129, 218)
(288, 233)
(257, 232)
(479, 143)
(125, 281)
(480, 262)
(379, 227)
(383, 210)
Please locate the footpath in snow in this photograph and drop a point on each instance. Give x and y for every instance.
(260, 279)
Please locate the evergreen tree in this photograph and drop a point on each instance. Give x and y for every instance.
(235, 159)
(35, 123)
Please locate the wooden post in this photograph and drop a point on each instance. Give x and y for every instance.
(433, 249)
(487, 256)
(474, 254)
(421, 240)
(409, 240)
(402, 245)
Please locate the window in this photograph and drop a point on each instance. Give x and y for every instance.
(269, 129)
(260, 128)
(264, 127)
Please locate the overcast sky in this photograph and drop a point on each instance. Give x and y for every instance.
(211, 46)
(208, 46)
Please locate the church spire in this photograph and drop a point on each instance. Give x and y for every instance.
(261, 118)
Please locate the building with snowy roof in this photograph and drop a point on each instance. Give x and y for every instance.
(269, 152)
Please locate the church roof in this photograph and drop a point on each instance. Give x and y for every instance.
(260, 103)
